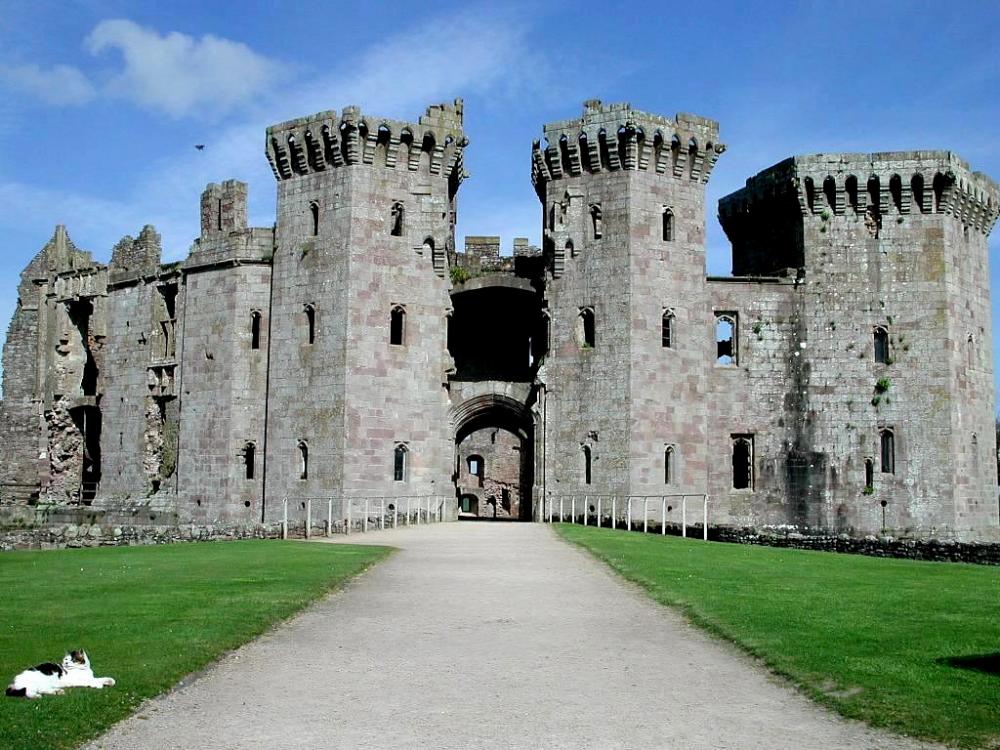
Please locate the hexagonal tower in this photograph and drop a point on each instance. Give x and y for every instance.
(358, 319)
(623, 194)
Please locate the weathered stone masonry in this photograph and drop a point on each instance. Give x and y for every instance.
(839, 382)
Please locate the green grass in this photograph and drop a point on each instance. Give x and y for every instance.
(879, 640)
(147, 616)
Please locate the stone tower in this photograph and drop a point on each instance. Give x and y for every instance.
(623, 193)
(359, 305)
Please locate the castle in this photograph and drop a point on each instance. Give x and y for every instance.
(841, 380)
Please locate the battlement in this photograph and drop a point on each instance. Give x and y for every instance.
(877, 184)
(611, 137)
(435, 143)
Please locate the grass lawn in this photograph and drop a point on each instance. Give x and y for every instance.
(910, 646)
(146, 616)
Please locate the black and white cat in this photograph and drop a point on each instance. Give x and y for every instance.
(51, 679)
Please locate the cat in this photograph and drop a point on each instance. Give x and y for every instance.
(51, 679)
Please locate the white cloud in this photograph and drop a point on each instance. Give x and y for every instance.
(59, 85)
(179, 74)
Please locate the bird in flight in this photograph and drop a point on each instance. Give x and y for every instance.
(200, 146)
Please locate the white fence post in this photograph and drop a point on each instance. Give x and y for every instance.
(284, 518)
(572, 512)
(598, 512)
(395, 514)
(309, 511)
(329, 516)
(586, 508)
(614, 514)
(663, 516)
(364, 521)
(560, 509)
(381, 513)
(645, 515)
(628, 514)
(704, 522)
(684, 516)
(350, 502)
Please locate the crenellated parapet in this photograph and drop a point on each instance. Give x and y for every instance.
(613, 137)
(435, 143)
(870, 185)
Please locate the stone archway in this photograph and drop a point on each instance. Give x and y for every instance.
(494, 457)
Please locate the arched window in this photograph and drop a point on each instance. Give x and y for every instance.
(587, 328)
(303, 460)
(587, 464)
(742, 462)
(397, 326)
(880, 338)
(399, 463)
(254, 329)
(596, 221)
(851, 188)
(309, 316)
(396, 220)
(810, 187)
(869, 475)
(667, 329)
(668, 465)
(314, 211)
(249, 459)
(830, 193)
(668, 225)
(477, 467)
(725, 338)
(887, 442)
(917, 189)
(896, 192)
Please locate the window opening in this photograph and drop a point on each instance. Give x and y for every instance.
(314, 210)
(668, 225)
(869, 475)
(887, 441)
(587, 464)
(742, 462)
(309, 312)
(587, 328)
(255, 330)
(881, 341)
(249, 459)
(668, 465)
(397, 326)
(725, 338)
(667, 329)
(397, 220)
(303, 460)
(596, 221)
(399, 463)
(477, 468)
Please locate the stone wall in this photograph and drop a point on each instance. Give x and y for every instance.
(98, 535)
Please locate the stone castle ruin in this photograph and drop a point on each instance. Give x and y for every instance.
(841, 380)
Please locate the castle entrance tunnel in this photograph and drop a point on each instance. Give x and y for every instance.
(497, 330)
(494, 459)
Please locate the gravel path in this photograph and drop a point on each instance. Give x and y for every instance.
(479, 635)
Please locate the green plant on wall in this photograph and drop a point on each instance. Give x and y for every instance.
(459, 275)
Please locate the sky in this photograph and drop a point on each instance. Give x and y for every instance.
(102, 102)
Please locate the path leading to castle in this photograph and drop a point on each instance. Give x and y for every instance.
(480, 636)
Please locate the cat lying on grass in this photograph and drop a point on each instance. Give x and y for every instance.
(51, 679)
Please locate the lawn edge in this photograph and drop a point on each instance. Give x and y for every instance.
(716, 630)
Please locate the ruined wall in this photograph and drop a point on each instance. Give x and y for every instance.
(611, 182)
(365, 219)
(498, 486)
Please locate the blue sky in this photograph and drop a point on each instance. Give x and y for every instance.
(101, 102)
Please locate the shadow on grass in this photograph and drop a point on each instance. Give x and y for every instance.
(987, 663)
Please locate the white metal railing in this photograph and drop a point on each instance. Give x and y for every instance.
(332, 515)
(626, 511)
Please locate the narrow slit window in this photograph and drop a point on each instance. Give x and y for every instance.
(314, 212)
(399, 463)
(667, 330)
(742, 462)
(596, 221)
(249, 460)
(396, 220)
(880, 338)
(668, 465)
(887, 442)
(587, 464)
(668, 225)
(869, 475)
(309, 314)
(397, 326)
(587, 326)
(255, 330)
(725, 338)
(303, 460)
